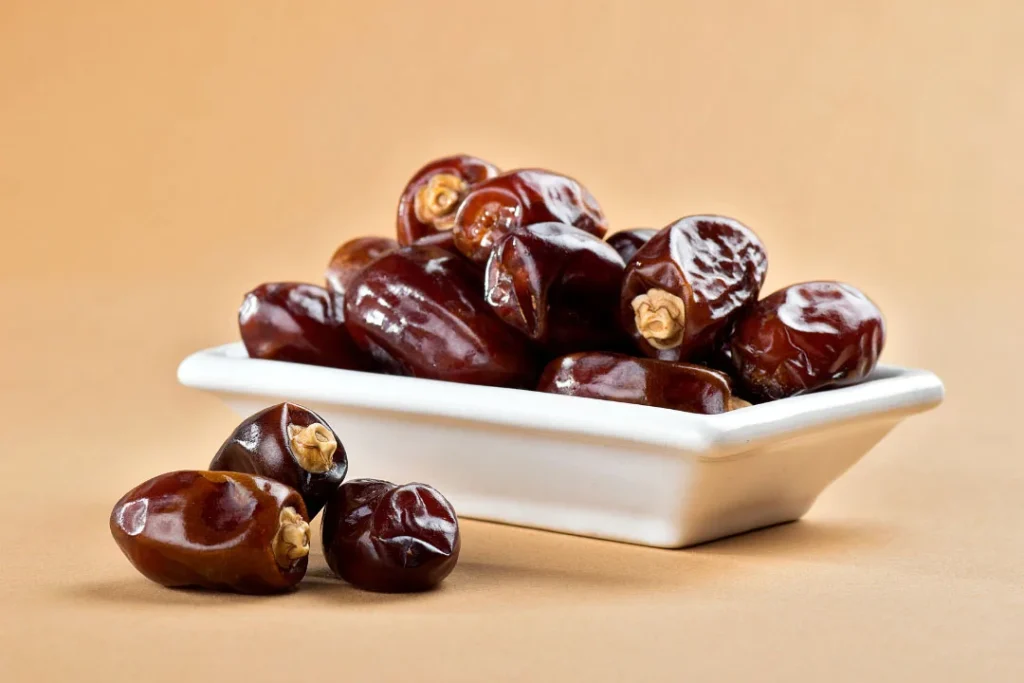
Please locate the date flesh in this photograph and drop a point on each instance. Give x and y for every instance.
(420, 311)
(388, 538)
(219, 530)
(300, 323)
(558, 285)
(289, 444)
(806, 337)
(430, 199)
(518, 198)
(683, 287)
(644, 381)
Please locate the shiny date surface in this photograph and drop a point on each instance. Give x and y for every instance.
(520, 198)
(558, 285)
(388, 538)
(430, 199)
(806, 337)
(445, 240)
(300, 323)
(351, 257)
(644, 381)
(289, 444)
(218, 530)
(685, 284)
(420, 311)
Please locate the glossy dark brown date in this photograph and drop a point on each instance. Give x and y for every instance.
(558, 285)
(292, 445)
(218, 530)
(628, 242)
(682, 287)
(644, 381)
(806, 337)
(518, 198)
(388, 538)
(351, 257)
(300, 323)
(420, 311)
(433, 195)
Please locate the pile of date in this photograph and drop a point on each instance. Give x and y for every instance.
(495, 278)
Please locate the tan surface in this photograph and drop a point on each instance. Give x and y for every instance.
(157, 159)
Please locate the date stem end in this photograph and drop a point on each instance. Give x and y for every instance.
(660, 318)
(313, 446)
(435, 203)
(291, 542)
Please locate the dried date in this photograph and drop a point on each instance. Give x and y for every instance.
(292, 445)
(219, 530)
(430, 199)
(558, 285)
(683, 287)
(420, 311)
(299, 323)
(644, 381)
(519, 198)
(388, 538)
(806, 337)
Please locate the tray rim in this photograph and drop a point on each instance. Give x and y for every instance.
(892, 390)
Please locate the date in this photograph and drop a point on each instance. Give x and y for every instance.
(628, 242)
(644, 381)
(430, 199)
(351, 257)
(558, 285)
(289, 444)
(684, 286)
(806, 337)
(223, 531)
(388, 538)
(519, 198)
(420, 311)
(299, 323)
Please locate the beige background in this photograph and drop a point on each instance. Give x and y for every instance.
(158, 159)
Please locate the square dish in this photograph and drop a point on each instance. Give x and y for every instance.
(583, 466)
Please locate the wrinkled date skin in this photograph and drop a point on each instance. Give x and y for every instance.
(300, 323)
(628, 242)
(433, 195)
(518, 198)
(684, 285)
(644, 381)
(351, 257)
(224, 531)
(388, 538)
(558, 285)
(420, 311)
(289, 444)
(806, 337)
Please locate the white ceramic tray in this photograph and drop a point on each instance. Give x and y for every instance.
(583, 466)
